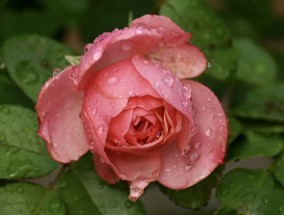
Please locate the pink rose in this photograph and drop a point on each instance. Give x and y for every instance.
(125, 103)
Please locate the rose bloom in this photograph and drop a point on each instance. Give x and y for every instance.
(126, 102)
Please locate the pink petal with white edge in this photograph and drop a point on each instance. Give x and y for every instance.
(206, 150)
(171, 33)
(185, 61)
(139, 170)
(113, 47)
(58, 108)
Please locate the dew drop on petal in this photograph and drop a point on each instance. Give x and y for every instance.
(97, 55)
(130, 93)
(186, 150)
(186, 92)
(184, 103)
(100, 129)
(139, 31)
(112, 80)
(167, 80)
(188, 167)
(193, 156)
(74, 74)
(94, 111)
(56, 72)
(208, 132)
(197, 145)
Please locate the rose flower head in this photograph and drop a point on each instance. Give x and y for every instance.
(126, 102)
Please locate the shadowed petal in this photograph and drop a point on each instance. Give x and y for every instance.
(58, 108)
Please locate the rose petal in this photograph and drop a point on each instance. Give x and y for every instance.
(138, 169)
(163, 81)
(121, 80)
(185, 61)
(58, 108)
(113, 47)
(171, 33)
(181, 169)
(145, 102)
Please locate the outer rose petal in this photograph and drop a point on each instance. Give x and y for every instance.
(58, 108)
(206, 150)
(185, 61)
(115, 46)
(171, 33)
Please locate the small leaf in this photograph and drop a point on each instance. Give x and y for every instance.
(279, 169)
(22, 153)
(254, 63)
(255, 145)
(263, 103)
(85, 193)
(29, 199)
(12, 95)
(30, 60)
(196, 196)
(208, 33)
(251, 192)
(73, 60)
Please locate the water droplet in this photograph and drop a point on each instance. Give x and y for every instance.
(100, 129)
(184, 103)
(186, 93)
(197, 145)
(139, 31)
(112, 80)
(186, 151)
(130, 93)
(127, 45)
(208, 64)
(74, 74)
(168, 170)
(145, 61)
(94, 111)
(208, 132)
(97, 55)
(167, 80)
(20, 189)
(188, 167)
(157, 84)
(56, 72)
(265, 200)
(193, 156)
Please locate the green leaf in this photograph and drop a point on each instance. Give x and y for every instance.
(85, 193)
(264, 103)
(254, 63)
(29, 199)
(27, 21)
(12, 95)
(235, 129)
(30, 60)
(279, 169)
(22, 153)
(208, 33)
(263, 126)
(196, 196)
(226, 211)
(251, 192)
(255, 145)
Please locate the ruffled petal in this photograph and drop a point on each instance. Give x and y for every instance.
(58, 108)
(185, 61)
(181, 169)
(113, 47)
(171, 33)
